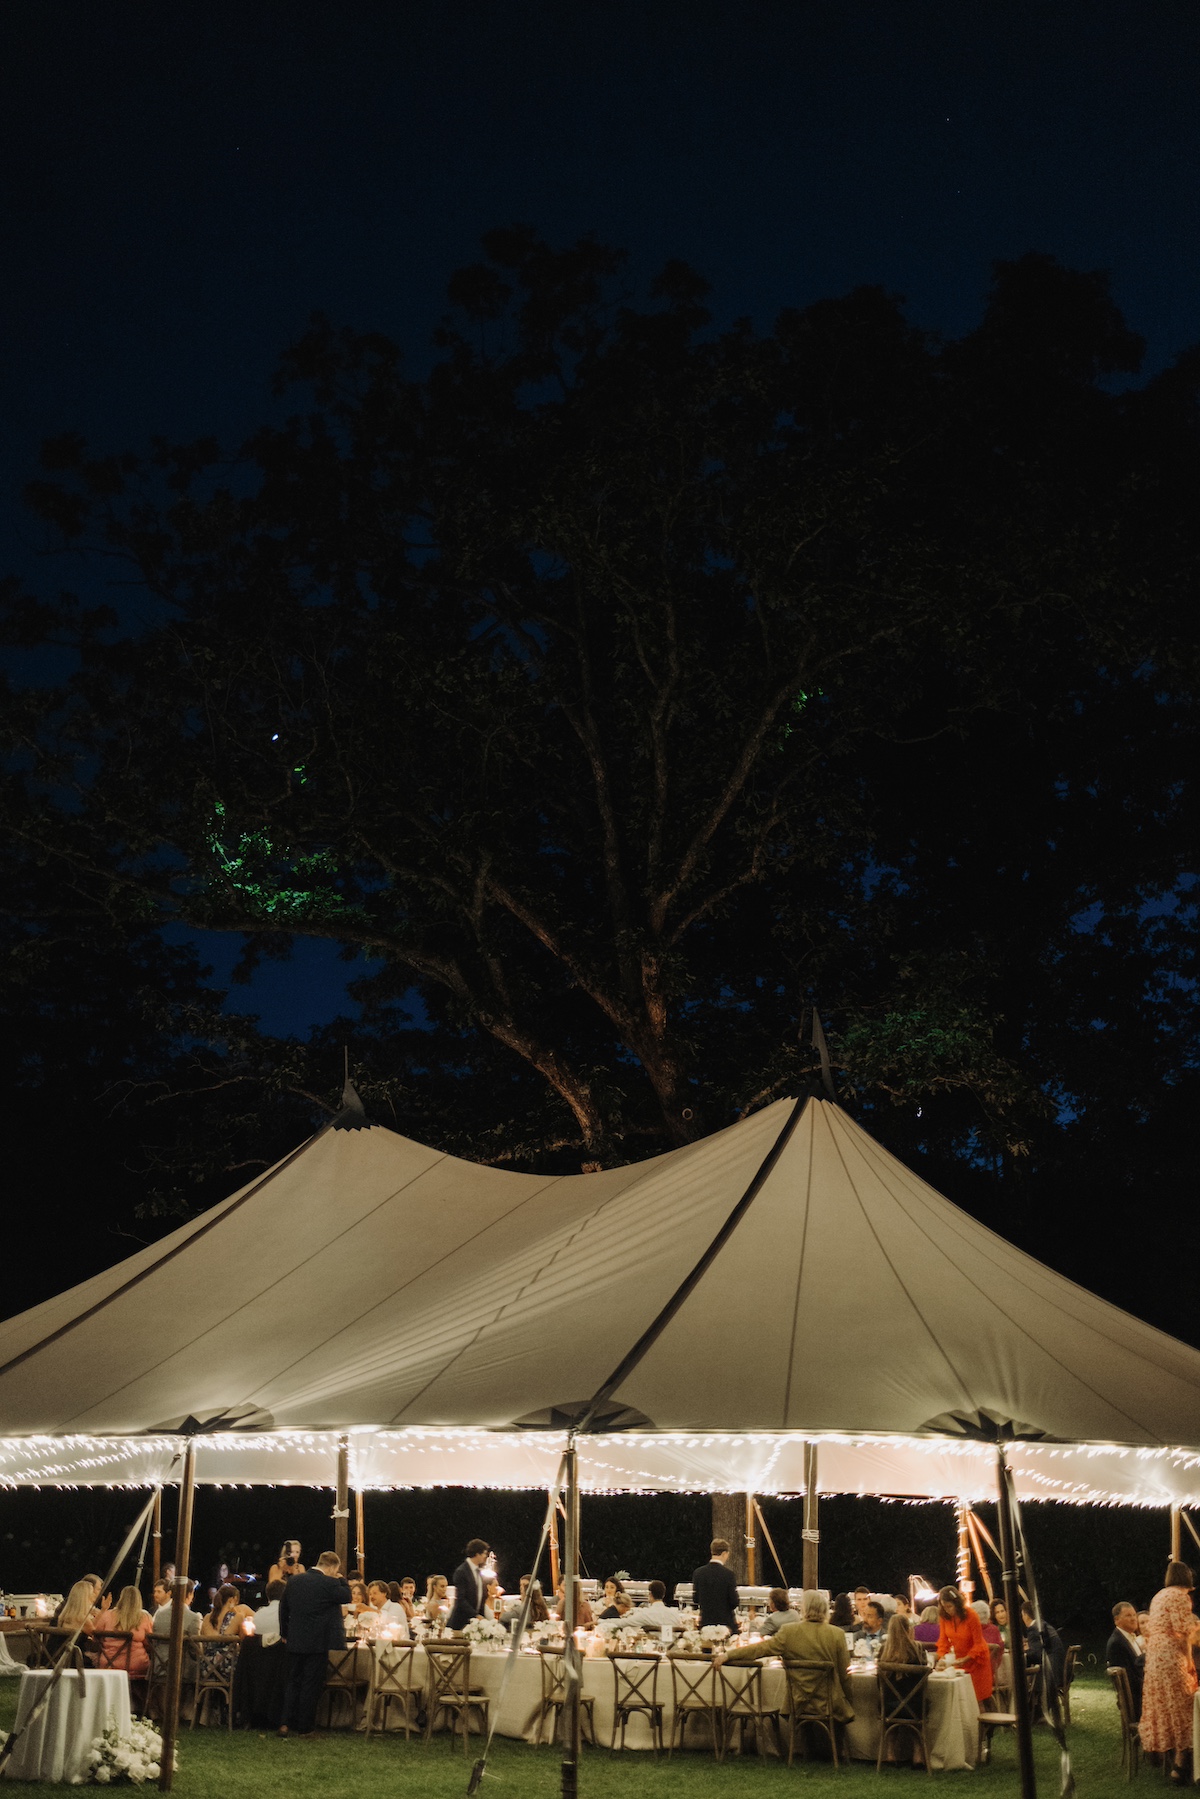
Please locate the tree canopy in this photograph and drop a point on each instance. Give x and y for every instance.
(623, 686)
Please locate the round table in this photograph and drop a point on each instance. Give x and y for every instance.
(81, 1708)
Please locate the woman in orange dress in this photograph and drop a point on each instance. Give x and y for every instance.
(1170, 1677)
(960, 1634)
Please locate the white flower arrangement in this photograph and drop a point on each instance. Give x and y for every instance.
(627, 1636)
(136, 1757)
(714, 1633)
(485, 1630)
(687, 1642)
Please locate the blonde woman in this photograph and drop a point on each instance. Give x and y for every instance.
(437, 1598)
(78, 1609)
(128, 1652)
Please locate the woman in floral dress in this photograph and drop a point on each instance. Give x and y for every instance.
(1170, 1680)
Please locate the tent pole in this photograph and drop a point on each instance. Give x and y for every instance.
(341, 1507)
(360, 1535)
(156, 1538)
(183, 1548)
(571, 1710)
(962, 1565)
(1016, 1633)
(1176, 1541)
(980, 1558)
(751, 1544)
(555, 1571)
(812, 1535)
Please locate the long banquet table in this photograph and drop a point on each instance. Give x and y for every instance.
(953, 1730)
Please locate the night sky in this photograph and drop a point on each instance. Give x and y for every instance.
(185, 184)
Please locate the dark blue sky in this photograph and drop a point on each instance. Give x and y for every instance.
(184, 183)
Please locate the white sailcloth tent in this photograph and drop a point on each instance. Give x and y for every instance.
(450, 1318)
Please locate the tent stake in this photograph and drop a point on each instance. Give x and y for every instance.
(811, 1534)
(183, 1546)
(571, 1712)
(1016, 1633)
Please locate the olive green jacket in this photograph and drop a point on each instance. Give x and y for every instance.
(807, 1643)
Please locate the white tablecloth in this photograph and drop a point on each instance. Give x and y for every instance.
(57, 1746)
(953, 1732)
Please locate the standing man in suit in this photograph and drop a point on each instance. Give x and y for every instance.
(1127, 1650)
(310, 1623)
(470, 1588)
(714, 1588)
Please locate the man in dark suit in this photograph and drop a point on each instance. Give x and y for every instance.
(310, 1623)
(1127, 1650)
(470, 1588)
(714, 1589)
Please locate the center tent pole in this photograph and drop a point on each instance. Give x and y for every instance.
(341, 1507)
(811, 1534)
(156, 1536)
(1016, 1632)
(572, 1710)
(183, 1547)
(360, 1535)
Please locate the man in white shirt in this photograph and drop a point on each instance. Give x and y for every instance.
(266, 1618)
(191, 1619)
(655, 1614)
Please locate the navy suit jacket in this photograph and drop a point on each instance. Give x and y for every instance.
(310, 1613)
(468, 1602)
(1122, 1654)
(714, 1589)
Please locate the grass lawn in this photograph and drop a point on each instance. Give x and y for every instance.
(216, 1765)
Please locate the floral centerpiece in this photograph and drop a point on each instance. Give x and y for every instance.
(485, 1632)
(625, 1640)
(714, 1634)
(136, 1757)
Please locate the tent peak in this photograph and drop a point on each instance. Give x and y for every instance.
(353, 1115)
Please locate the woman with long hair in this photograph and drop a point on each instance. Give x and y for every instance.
(437, 1598)
(227, 1616)
(960, 1639)
(899, 1645)
(613, 1588)
(79, 1607)
(1170, 1678)
(128, 1615)
(842, 1615)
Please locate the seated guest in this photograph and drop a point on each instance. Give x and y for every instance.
(654, 1613)
(780, 1612)
(899, 1644)
(843, 1616)
(437, 1598)
(266, 1618)
(191, 1619)
(404, 1592)
(1126, 1649)
(873, 1627)
(926, 1631)
(585, 1619)
(391, 1614)
(227, 1616)
(1143, 1625)
(160, 1594)
(903, 1605)
(608, 1605)
(813, 1640)
(130, 1615)
(998, 1613)
(539, 1611)
(862, 1598)
(991, 1630)
(960, 1640)
(359, 1602)
(78, 1610)
(1044, 1645)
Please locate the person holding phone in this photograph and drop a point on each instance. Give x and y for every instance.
(289, 1562)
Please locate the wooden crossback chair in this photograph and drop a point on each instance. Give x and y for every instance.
(990, 1722)
(346, 1674)
(1072, 1657)
(449, 1690)
(903, 1705)
(996, 1653)
(742, 1707)
(635, 1684)
(816, 1711)
(391, 1680)
(47, 1642)
(160, 1657)
(695, 1698)
(554, 1698)
(216, 1666)
(1131, 1741)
